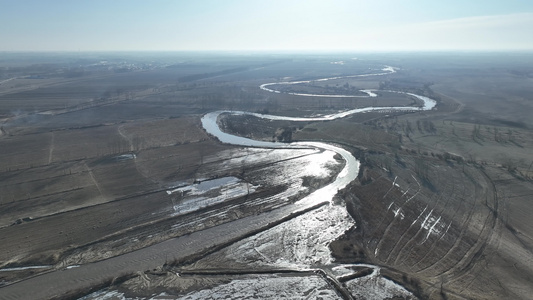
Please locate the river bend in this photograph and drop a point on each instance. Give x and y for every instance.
(351, 168)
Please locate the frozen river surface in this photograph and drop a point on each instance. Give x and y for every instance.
(56, 283)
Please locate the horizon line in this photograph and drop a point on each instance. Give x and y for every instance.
(487, 50)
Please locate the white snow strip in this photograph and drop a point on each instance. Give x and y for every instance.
(426, 219)
(399, 212)
(412, 197)
(431, 230)
(415, 180)
(393, 183)
(446, 231)
(419, 215)
(72, 267)
(24, 268)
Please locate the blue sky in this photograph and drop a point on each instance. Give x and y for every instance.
(346, 25)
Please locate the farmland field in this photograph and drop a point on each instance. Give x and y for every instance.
(112, 186)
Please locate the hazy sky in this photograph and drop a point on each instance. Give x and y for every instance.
(384, 25)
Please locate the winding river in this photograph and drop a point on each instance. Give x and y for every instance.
(351, 168)
(52, 284)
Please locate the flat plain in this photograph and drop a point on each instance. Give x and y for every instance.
(110, 186)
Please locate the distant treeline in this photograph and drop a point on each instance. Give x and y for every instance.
(194, 77)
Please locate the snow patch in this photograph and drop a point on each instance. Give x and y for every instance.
(268, 287)
(207, 193)
(375, 287)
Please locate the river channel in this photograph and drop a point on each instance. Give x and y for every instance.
(351, 168)
(60, 282)
(371, 286)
